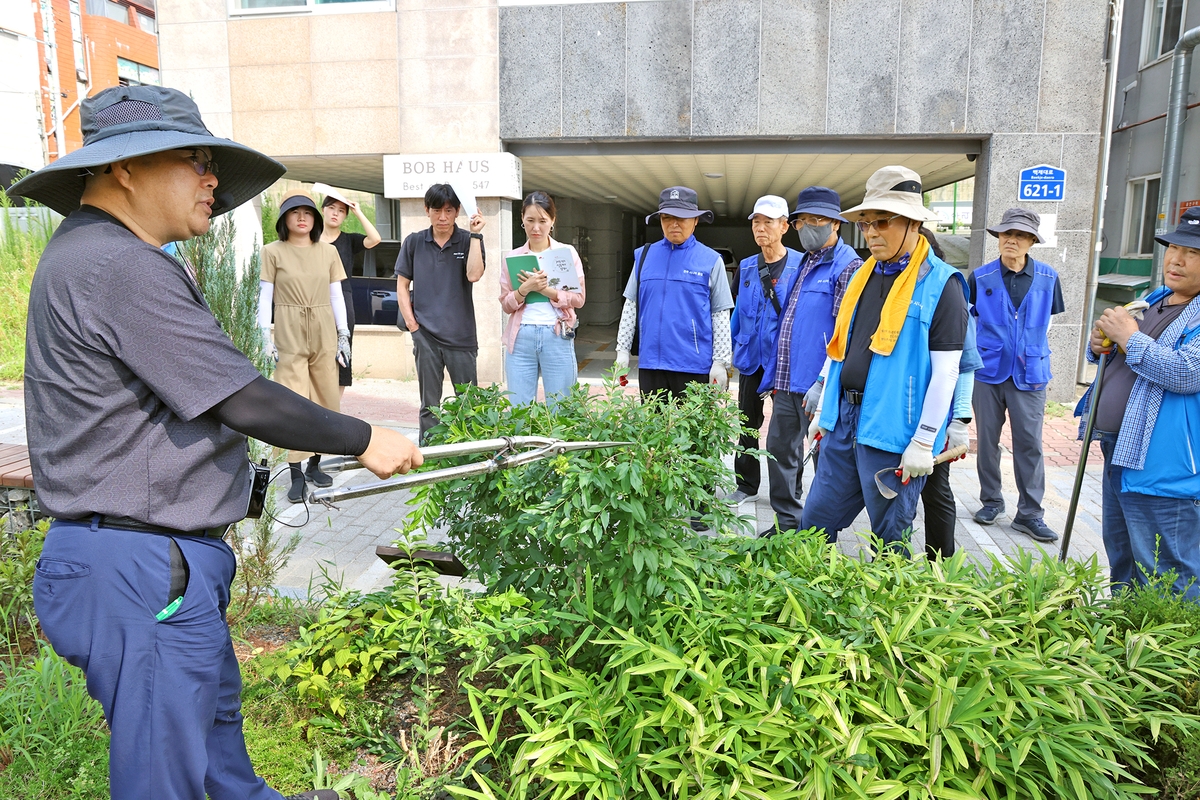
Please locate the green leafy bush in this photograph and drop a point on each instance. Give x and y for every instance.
(620, 515)
(802, 673)
(21, 246)
(19, 554)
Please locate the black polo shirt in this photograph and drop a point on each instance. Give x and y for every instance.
(123, 359)
(442, 298)
(947, 329)
(1017, 284)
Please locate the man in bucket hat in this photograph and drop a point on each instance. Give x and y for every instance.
(894, 358)
(1013, 299)
(793, 375)
(1148, 423)
(678, 300)
(137, 410)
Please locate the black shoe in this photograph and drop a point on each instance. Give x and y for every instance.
(1036, 528)
(698, 524)
(767, 533)
(314, 475)
(315, 794)
(987, 515)
(296, 493)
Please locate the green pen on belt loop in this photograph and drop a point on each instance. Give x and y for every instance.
(169, 610)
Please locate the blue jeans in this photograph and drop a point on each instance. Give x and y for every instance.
(845, 482)
(538, 349)
(170, 689)
(1141, 531)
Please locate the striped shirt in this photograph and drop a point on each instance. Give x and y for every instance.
(783, 358)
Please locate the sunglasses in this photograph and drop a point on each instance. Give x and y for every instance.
(202, 163)
(880, 225)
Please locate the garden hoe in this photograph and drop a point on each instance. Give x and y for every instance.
(1135, 310)
(509, 451)
(889, 493)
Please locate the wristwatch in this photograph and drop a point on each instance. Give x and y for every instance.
(478, 236)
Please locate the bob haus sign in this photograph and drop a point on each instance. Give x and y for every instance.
(482, 174)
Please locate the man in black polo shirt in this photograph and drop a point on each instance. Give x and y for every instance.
(137, 407)
(443, 262)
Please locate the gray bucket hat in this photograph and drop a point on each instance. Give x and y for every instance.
(1019, 219)
(680, 201)
(129, 121)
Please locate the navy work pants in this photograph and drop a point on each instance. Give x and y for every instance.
(845, 482)
(170, 690)
(750, 404)
(785, 442)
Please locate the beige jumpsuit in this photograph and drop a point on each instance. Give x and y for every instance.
(305, 332)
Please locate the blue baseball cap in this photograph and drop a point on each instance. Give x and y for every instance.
(1187, 234)
(820, 201)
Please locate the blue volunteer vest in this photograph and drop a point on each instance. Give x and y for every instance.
(1172, 467)
(812, 326)
(896, 384)
(755, 325)
(674, 308)
(1012, 341)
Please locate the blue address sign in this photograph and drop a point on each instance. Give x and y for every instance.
(1042, 182)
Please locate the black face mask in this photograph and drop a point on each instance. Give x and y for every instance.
(814, 237)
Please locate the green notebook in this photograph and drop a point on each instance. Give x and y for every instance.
(527, 262)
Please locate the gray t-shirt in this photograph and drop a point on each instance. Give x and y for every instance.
(122, 359)
(1119, 378)
(442, 297)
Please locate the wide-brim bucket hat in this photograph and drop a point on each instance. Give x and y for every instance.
(680, 201)
(1186, 234)
(1019, 219)
(820, 201)
(894, 189)
(130, 121)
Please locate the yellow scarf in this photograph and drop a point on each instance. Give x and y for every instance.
(895, 307)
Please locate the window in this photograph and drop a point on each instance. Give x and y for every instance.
(308, 6)
(146, 22)
(1164, 26)
(1141, 211)
(131, 73)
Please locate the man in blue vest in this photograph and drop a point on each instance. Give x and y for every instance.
(766, 280)
(893, 363)
(678, 301)
(1148, 423)
(1012, 299)
(794, 374)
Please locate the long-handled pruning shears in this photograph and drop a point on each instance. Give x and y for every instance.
(509, 451)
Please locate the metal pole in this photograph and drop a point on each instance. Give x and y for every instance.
(1181, 73)
(1116, 18)
(954, 215)
(1083, 457)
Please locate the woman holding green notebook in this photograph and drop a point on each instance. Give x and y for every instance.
(540, 336)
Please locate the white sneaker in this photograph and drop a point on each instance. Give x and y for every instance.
(737, 498)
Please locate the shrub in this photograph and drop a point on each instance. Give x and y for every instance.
(19, 554)
(804, 673)
(21, 246)
(620, 514)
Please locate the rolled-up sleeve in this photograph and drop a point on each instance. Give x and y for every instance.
(1176, 371)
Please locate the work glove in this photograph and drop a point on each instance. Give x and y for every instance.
(719, 375)
(622, 362)
(812, 398)
(343, 350)
(916, 461)
(269, 349)
(815, 429)
(957, 436)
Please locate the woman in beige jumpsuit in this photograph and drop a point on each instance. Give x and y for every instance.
(302, 277)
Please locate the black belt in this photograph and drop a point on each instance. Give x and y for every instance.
(127, 524)
(853, 396)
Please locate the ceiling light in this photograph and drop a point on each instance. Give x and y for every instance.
(714, 175)
(610, 197)
(715, 202)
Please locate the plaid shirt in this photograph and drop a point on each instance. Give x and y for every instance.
(1159, 368)
(783, 358)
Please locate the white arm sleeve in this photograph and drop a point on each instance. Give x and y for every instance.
(266, 298)
(825, 368)
(338, 301)
(936, 408)
(964, 392)
(628, 326)
(722, 341)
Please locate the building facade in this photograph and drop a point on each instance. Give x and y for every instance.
(604, 104)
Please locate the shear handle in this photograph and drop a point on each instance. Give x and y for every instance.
(345, 463)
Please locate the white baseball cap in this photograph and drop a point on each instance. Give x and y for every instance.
(770, 205)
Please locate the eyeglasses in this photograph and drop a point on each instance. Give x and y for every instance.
(808, 219)
(880, 225)
(202, 163)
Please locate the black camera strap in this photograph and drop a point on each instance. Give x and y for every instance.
(764, 275)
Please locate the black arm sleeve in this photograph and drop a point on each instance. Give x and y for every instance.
(275, 414)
